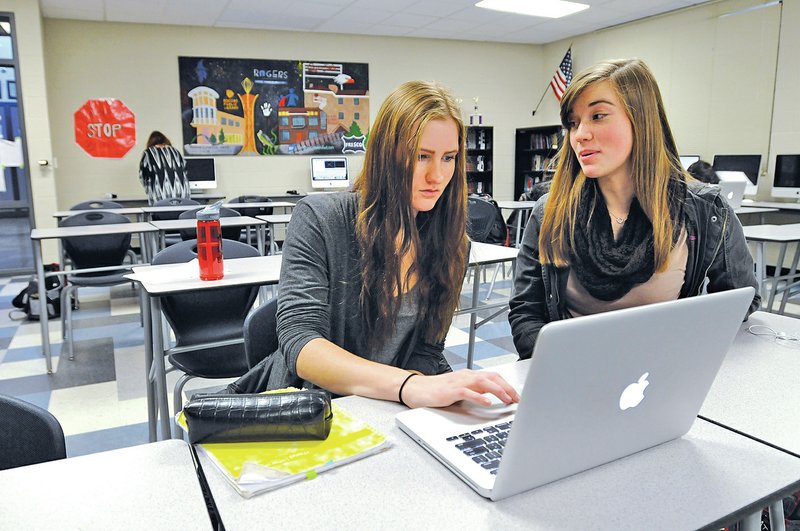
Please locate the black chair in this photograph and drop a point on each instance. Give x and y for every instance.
(206, 316)
(106, 250)
(28, 434)
(171, 238)
(261, 332)
(95, 205)
(228, 233)
(253, 212)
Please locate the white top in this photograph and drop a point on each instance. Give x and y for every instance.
(263, 204)
(275, 219)
(152, 486)
(59, 214)
(772, 233)
(91, 230)
(487, 253)
(232, 221)
(683, 484)
(516, 205)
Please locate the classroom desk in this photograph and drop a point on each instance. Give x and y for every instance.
(174, 225)
(37, 235)
(757, 390)
(749, 210)
(136, 212)
(275, 219)
(168, 279)
(285, 205)
(783, 235)
(710, 475)
(523, 209)
(151, 486)
(775, 204)
(481, 255)
(143, 201)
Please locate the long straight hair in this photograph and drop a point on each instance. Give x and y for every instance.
(654, 161)
(438, 236)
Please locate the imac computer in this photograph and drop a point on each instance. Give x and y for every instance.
(750, 165)
(201, 173)
(786, 182)
(329, 172)
(688, 160)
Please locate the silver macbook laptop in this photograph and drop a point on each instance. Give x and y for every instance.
(733, 191)
(597, 388)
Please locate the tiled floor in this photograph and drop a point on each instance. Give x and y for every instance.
(99, 398)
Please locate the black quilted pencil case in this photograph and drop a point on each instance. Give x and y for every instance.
(290, 416)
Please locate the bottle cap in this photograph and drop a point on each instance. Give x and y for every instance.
(209, 211)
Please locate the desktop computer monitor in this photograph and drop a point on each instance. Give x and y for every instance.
(786, 182)
(750, 165)
(329, 172)
(688, 160)
(201, 173)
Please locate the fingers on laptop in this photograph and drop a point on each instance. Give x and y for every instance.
(446, 389)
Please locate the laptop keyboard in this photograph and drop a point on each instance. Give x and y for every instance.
(484, 446)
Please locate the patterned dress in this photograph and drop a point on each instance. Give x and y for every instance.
(162, 172)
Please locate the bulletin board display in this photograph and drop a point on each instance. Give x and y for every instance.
(240, 107)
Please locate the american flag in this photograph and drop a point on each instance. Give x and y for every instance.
(563, 76)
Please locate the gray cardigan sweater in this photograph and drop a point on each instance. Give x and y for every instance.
(318, 296)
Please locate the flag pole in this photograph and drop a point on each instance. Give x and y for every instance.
(533, 113)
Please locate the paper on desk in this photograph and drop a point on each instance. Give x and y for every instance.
(167, 274)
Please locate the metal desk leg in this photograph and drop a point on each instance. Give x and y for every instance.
(160, 373)
(152, 415)
(43, 321)
(473, 315)
(761, 270)
(260, 237)
(776, 275)
(752, 522)
(776, 516)
(519, 227)
(790, 281)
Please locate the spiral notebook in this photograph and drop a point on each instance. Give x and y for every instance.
(255, 467)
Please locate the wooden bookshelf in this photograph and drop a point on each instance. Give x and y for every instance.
(535, 155)
(480, 143)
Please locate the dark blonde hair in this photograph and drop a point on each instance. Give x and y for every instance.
(438, 236)
(654, 161)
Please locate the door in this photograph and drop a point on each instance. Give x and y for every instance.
(16, 215)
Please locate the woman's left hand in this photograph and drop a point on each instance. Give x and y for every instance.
(445, 389)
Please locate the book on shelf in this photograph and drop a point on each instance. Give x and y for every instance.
(255, 467)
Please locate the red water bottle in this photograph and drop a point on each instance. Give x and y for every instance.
(209, 243)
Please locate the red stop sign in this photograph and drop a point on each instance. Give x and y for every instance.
(105, 128)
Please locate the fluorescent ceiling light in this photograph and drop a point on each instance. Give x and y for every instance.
(535, 8)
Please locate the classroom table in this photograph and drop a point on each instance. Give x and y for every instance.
(285, 205)
(523, 209)
(136, 212)
(757, 390)
(749, 210)
(159, 280)
(709, 477)
(151, 486)
(37, 235)
(775, 204)
(783, 235)
(174, 225)
(272, 221)
(481, 255)
(132, 201)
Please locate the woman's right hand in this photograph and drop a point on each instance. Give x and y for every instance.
(446, 389)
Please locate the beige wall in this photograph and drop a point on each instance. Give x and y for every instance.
(716, 74)
(138, 64)
(35, 112)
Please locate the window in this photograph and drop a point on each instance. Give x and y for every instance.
(313, 120)
(312, 134)
(285, 135)
(357, 116)
(341, 101)
(341, 116)
(356, 101)
(284, 120)
(298, 122)
(223, 121)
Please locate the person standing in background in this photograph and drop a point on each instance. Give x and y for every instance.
(162, 170)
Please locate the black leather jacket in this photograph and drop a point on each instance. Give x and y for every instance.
(717, 251)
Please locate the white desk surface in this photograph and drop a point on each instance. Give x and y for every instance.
(144, 201)
(701, 478)
(516, 205)
(232, 221)
(169, 208)
(757, 389)
(487, 253)
(175, 278)
(773, 233)
(130, 211)
(91, 230)
(264, 204)
(275, 219)
(152, 486)
(774, 204)
(754, 210)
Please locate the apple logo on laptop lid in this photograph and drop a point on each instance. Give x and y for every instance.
(730, 195)
(634, 393)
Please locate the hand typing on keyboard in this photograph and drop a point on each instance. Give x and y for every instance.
(477, 387)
